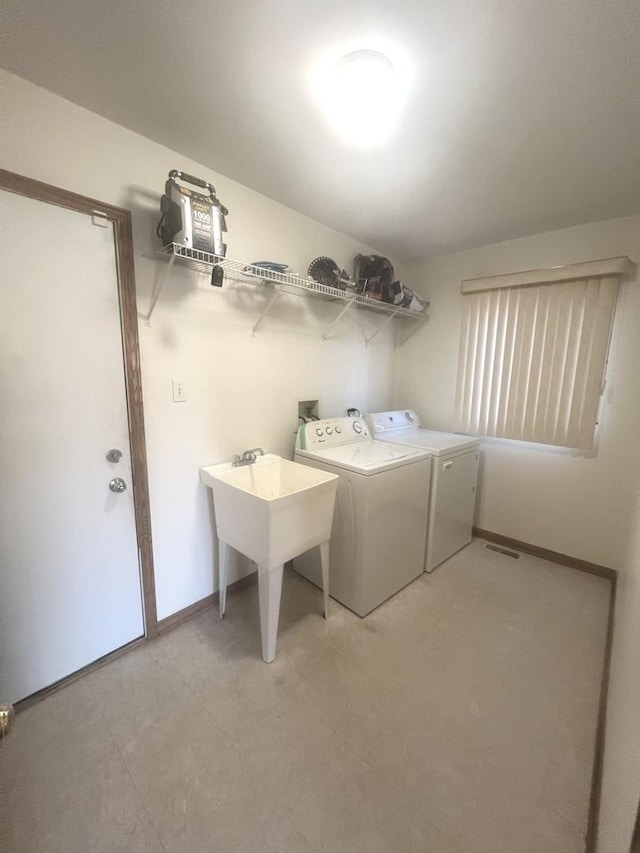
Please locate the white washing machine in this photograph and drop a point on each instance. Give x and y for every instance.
(453, 481)
(380, 518)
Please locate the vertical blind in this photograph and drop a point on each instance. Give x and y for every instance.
(532, 356)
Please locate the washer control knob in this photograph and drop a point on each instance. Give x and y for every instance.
(329, 431)
(357, 427)
(319, 432)
(409, 417)
(338, 429)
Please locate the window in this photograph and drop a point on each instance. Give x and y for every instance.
(533, 352)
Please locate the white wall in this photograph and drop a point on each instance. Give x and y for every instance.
(574, 504)
(621, 777)
(242, 390)
(584, 506)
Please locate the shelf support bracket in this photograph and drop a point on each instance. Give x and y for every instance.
(325, 334)
(416, 326)
(158, 289)
(274, 298)
(367, 340)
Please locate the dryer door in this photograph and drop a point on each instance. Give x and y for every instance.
(453, 503)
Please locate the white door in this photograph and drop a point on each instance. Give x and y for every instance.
(70, 588)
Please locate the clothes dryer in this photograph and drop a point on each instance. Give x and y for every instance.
(453, 481)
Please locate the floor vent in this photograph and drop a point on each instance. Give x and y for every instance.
(500, 550)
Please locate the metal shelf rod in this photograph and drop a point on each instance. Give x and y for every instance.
(274, 298)
(367, 340)
(412, 331)
(325, 334)
(158, 290)
(285, 282)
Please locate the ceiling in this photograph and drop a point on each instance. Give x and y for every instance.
(519, 116)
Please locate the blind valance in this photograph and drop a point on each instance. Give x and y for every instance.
(604, 268)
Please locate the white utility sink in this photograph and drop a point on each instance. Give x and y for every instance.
(271, 510)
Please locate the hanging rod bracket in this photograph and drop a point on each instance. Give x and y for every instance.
(274, 298)
(418, 324)
(325, 334)
(158, 289)
(383, 325)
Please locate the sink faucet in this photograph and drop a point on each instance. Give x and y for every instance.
(247, 458)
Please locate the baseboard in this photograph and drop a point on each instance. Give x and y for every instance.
(598, 756)
(546, 554)
(181, 616)
(203, 604)
(69, 679)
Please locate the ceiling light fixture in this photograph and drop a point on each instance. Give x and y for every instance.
(364, 75)
(361, 95)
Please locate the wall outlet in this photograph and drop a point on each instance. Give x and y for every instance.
(179, 391)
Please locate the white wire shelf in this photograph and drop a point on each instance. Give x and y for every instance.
(284, 282)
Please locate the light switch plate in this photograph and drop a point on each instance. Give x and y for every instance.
(179, 391)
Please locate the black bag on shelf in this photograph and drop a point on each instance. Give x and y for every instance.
(373, 276)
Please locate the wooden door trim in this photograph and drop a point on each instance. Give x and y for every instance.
(593, 816)
(123, 240)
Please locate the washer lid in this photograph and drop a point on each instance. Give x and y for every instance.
(369, 457)
(439, 443)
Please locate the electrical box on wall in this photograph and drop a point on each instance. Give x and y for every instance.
(308, 410)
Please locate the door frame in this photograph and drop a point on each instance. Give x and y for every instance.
(126, 283)
(635, 841)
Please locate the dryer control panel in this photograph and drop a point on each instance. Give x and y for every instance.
(382, 422)
(331, 432)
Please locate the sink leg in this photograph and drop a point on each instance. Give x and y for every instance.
(223, 572)
(324, 560)
(269, 589)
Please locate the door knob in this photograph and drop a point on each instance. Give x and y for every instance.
(114, 455)
(118, 485)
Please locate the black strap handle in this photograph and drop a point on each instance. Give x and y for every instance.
(198, 182)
